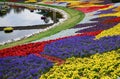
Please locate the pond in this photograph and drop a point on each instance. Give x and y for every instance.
(25, 21)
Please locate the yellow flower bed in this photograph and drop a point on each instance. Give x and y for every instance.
(67, 0)
(95, 1)
(107, 8)
(117, 9)
(110, 32)
(87, 5)
(73, 3)
(31, 1)
(98, 66)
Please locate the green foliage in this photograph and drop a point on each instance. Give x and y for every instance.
(98, 66)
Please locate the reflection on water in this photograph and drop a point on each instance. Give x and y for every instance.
(15, 34)
(20, 17)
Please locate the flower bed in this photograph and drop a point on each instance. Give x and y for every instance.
(91, 8)
(56, 60)
(108, 18)
(29, 67)
(79, 46)
(98, 66)
(102, 23)
(22, 50)
(111, 14)
(110, 32)
(32, 60)
(33, 48)
(106, 2)
(111, 10)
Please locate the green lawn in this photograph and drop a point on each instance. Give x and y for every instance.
(74, 18)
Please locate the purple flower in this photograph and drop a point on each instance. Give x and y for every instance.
(81, 46)
(111, 10)
(27, 67)
(98, 25)
(106, 2)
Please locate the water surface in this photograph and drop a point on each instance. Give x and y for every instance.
(22, 17)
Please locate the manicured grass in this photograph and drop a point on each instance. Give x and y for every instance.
(74, 18)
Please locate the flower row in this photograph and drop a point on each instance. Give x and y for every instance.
(26, 49)
(110, 32)
(110, 10)
(98, 66)
(29, 67)
(80, 46)
(109, 17)
(23, 50)
(91, 8)
(102, 23)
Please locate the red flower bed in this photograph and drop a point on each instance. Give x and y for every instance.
(23, 50)
(26, 49)
(113, 20)
(94, 33)
(91, 9)
(90, 33)
(48, 2)
(57, 60)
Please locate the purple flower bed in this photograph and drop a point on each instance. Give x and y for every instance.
(81, 46)
(111, 10)
(29, 67)
(99, 25)
(95, 19)
(106, 2)
(103, 18)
